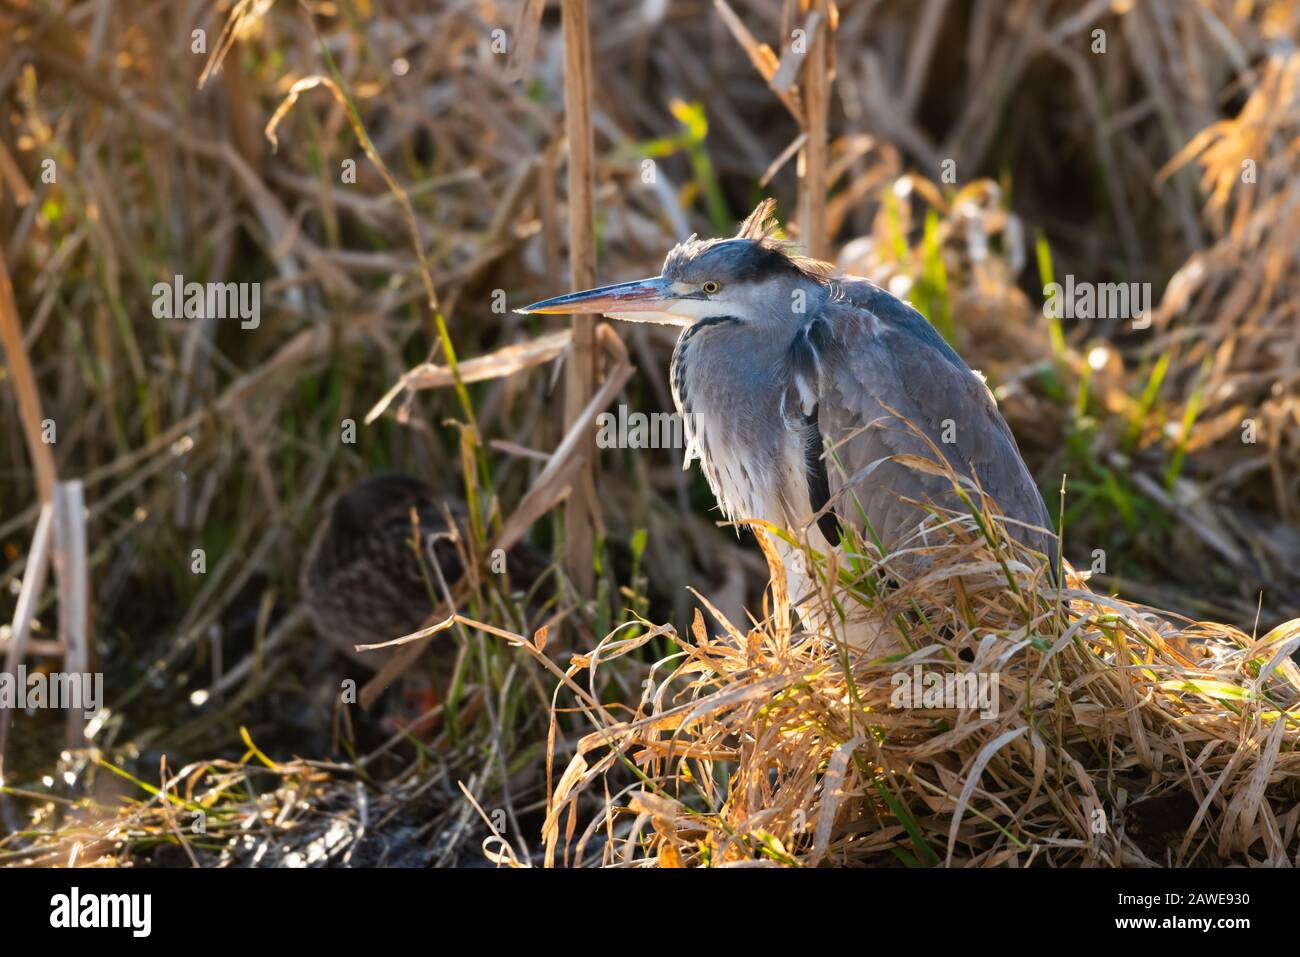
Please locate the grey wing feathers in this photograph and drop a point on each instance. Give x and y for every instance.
(877, 354)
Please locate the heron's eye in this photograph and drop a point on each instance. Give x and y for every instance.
(711, 287)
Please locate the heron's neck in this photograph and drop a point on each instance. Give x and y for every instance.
(726, 379)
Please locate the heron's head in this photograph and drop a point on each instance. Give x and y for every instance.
(751, 277)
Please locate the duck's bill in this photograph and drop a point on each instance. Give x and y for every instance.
(644, 300)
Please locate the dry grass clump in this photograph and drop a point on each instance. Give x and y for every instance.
(1121, 738)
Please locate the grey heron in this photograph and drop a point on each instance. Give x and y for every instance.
(812, 398)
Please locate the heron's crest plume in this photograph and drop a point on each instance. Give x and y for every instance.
(755, 251)
(761, 225)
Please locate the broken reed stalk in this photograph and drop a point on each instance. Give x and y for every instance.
(816, 94)
(71, 572)
(580, 380)
(38, 565)
(68, 523)
(29, 399)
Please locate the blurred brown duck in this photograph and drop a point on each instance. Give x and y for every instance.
(361, 579)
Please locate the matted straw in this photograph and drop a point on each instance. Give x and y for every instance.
(1113, 734)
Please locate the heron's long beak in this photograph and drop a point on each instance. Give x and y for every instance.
(644, 300)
